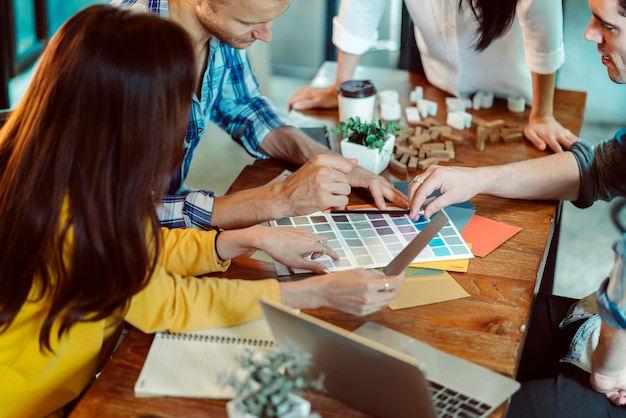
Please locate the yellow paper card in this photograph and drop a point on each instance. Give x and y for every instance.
(423, 290)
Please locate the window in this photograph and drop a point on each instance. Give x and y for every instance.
(23, 35)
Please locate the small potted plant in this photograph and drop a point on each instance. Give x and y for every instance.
(371, 143)
(269, 385)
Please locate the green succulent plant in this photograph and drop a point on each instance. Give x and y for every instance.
(268, 380)
(370, 134)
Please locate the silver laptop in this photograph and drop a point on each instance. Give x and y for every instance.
(386, 373)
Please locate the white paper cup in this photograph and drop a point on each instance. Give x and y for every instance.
(356, 98)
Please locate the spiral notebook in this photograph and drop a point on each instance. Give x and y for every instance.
(190, 364)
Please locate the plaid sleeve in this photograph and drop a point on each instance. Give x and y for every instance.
(192, 210)
(241, 109)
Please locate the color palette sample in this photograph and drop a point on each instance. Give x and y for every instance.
(372, 240)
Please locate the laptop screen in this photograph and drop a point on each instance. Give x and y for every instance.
(361, 373)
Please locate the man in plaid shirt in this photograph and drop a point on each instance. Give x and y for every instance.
(228, 95)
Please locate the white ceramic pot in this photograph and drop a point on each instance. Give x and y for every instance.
(372, 160)
(302, 409)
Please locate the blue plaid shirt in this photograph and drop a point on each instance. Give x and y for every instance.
(229, 97)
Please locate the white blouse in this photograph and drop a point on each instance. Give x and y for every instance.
(446, 36)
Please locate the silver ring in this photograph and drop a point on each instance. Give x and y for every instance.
(418, 179)
(385, 285)
(323, 246)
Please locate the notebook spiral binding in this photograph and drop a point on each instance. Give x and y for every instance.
(219, 339)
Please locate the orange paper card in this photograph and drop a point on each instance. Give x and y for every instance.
(486, 235)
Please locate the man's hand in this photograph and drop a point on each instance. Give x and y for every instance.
(314, 98)
(379, 187)
(455, 184)
(545, 132)
(319, 184)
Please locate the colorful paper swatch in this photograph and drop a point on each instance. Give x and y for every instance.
(372, 240)
(424, 290)
(486, 234)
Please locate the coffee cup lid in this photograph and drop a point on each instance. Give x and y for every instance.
(356, 88)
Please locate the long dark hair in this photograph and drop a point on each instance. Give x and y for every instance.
(495, 18)
(100, 128)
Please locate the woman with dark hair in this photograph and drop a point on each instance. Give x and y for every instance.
(507, 47)
(82, 161)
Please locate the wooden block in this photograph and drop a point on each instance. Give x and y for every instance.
(402, 137)
(517, 136)
(495, 124)
(405, 158)
(406, 150)
(409, 130)
(417, 131)
(433, 146)
(494, 135)
(413, 163)
(476, 121)
(398, 167)
(510, 130)
(418, 140)
(452, 137)
(431, 122)
(422, 154)
(482, 134)
(443, 129)
(441, 155)
(424, 164)
(449, 147)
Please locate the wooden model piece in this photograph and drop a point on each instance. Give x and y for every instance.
(496, 130)
(422, 145)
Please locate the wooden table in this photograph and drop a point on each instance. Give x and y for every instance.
(487, 328)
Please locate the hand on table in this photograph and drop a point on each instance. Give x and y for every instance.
(319, 184)
(314, 98)
(357, 291)
(360, 291)
(455, 185)
(378, 186)
(545, 132)
(291, 246)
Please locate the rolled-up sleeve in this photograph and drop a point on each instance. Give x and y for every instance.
(189, 210)
(542, 28)
(355, 29)
(602, 169)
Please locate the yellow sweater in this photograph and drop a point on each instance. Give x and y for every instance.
(34, 384)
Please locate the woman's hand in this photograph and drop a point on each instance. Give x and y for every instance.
(293, 246)
(546, 131)
(358, 291)
(290, 246)
(314, 98)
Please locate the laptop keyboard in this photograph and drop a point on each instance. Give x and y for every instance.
(451, 404)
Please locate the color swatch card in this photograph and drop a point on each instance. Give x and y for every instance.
(372, 240)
